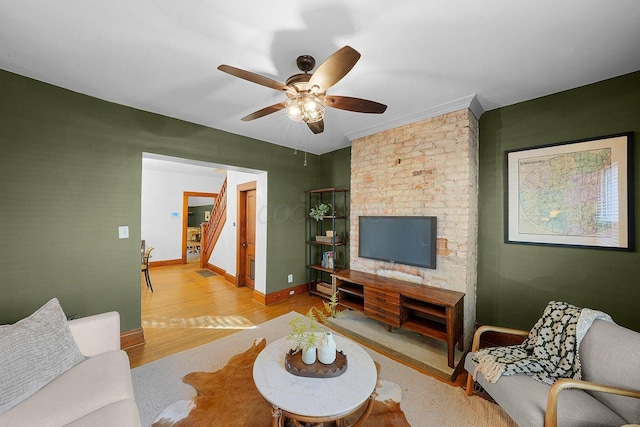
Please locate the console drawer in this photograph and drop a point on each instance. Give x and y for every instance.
(389, 317)
(379, 296)
(392, 309)
(382, 305)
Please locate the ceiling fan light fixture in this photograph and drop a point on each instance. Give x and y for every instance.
(305, 107)
(307, 93)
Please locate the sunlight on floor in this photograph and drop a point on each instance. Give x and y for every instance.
(201, 322)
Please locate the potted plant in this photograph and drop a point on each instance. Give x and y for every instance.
(327, 346)
(303, 334)
(319, 211)
(304, 330)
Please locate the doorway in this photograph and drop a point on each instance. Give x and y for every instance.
(165, 179)
(195, 205)
(246, 258)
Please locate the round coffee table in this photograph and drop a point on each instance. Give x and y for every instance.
(315, 400)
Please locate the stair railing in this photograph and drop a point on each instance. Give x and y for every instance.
(212, 229)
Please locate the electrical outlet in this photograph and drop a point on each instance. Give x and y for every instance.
(290, 278)
(291, 292)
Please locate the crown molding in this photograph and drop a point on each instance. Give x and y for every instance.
(476, 108)
(471, 102)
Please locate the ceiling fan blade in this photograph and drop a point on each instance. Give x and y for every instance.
(316, 127)
(355, 104)
(265, 111)
(334, 68)
(254, 78)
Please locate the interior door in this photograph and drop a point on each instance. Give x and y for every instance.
(250, 272)
(247, 235)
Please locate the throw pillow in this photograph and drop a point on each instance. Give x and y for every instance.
(33, 352)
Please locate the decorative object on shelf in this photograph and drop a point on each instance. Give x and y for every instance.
(327, 349)
(329, 233)
(327, 260)
(319, 211)
(294, 364)
(325, 288)
(329, 240)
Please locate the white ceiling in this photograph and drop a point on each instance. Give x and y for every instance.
(420, 57)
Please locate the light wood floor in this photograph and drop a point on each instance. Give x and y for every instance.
(187, 310)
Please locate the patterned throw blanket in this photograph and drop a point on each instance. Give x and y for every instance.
(550, 351)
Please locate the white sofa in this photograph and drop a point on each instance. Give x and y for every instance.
(97, 392)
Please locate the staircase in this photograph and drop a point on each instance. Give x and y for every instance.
(212, 229)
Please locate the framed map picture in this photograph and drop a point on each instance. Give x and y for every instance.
(577, 193)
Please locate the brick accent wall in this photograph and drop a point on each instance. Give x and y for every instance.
(424, 168)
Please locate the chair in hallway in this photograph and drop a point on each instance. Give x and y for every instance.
(145, 267)
(193, 239)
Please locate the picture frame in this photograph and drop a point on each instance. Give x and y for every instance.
(577, 194)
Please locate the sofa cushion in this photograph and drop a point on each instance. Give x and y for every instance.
(610, 354)
(525, 400)
(93, 384)
(33, 352)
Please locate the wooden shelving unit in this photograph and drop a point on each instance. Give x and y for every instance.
(337, 222)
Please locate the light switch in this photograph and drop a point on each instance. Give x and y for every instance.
(123, 232)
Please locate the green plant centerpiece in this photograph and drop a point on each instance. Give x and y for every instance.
(319, 210)
(303, 329)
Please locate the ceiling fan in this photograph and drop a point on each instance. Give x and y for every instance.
(307, 93)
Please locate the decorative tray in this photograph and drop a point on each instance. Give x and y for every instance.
(293, 363)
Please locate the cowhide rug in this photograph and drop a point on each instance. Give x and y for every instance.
(228, 397)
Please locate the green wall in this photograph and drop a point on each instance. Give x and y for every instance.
(335, 169)
(70, 174)
(196, 214)
(515, 282)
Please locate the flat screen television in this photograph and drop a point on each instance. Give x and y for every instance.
(409, 240)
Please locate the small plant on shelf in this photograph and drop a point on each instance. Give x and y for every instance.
(319, 211)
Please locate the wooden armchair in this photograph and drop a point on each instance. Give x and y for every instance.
(608, 353)
(551, 415)
(475, 346)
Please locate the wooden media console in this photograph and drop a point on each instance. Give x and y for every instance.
(429, 311)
